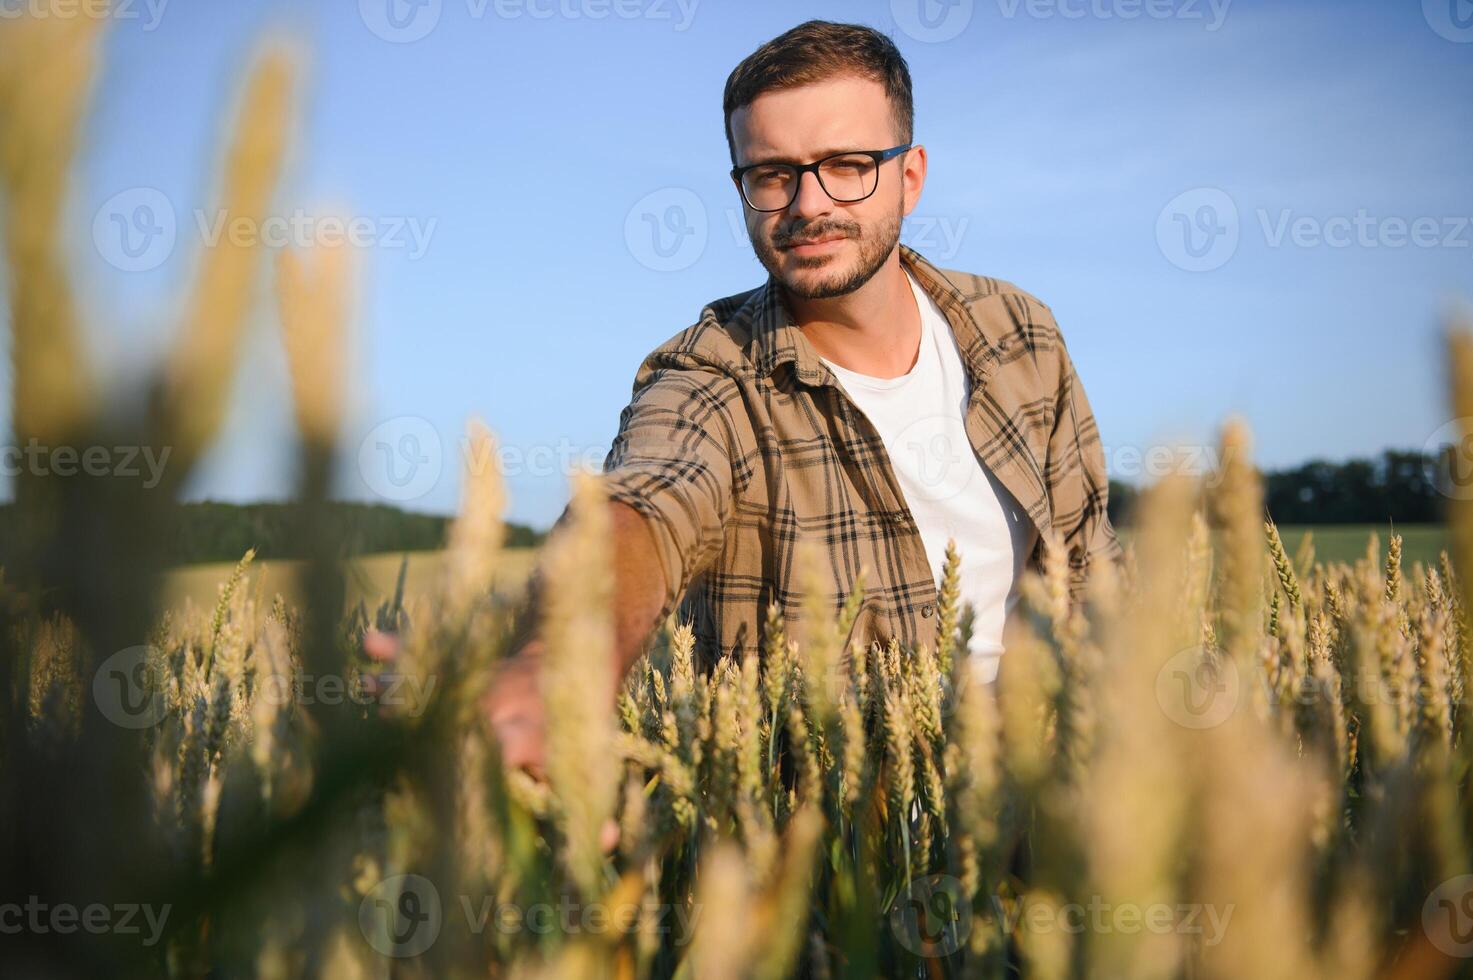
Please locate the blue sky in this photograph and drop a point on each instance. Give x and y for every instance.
(510, 167)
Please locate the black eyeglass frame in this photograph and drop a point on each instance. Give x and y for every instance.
(879, 156)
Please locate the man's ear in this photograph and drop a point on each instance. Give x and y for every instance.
(913, 176)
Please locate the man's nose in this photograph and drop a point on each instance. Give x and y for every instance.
(811, 199)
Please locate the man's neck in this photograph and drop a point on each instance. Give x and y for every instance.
(875, 330)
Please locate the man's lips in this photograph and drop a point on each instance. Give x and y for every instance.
(815, 244)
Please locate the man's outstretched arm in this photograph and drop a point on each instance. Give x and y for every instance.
(669, 480)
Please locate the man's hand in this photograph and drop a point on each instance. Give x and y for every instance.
(383, 649)
(512, 706)
(512, 703)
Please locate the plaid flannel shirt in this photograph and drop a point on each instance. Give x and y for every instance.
(738, 443)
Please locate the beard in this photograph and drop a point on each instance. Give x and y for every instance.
(840, 277)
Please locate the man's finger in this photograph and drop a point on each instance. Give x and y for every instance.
(380, 646)
(521, 746)
(608, 837)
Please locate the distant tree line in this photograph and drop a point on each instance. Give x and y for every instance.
(211, 531)
(1403, 486)
(1400, 486)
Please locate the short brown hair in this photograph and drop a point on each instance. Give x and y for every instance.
(817, 50)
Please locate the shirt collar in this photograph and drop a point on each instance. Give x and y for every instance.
(776, 339)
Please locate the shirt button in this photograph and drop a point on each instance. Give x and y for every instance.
(927, 610)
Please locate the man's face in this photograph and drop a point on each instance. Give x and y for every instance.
(819, 248)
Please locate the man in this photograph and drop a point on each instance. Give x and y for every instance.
(862, 399)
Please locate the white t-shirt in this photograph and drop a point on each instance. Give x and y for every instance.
(919, 416)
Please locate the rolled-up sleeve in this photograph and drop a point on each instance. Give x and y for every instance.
(672, 461)
(1078, 481)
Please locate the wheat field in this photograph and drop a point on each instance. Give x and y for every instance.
(374, 577)
(1232, 760)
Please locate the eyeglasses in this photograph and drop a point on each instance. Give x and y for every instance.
(846, 177)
